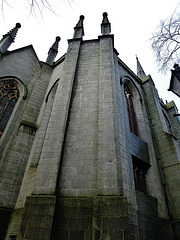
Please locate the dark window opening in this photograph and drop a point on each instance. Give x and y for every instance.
(140, 169)
(131, 111)
(9, 95)
(12, 237)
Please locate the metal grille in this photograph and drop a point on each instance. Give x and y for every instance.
(140, 172)
(9, 95)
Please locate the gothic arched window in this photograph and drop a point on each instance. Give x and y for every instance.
(131, 111)
(9, 95)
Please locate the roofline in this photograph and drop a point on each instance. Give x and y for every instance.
(60, 60)
(20, 49)
(129, 70)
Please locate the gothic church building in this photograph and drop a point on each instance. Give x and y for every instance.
(88, 150)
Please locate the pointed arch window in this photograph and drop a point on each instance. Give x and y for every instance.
(9, 95)
(131, 111)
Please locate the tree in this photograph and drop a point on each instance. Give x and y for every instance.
(34, 6)
(166, 42)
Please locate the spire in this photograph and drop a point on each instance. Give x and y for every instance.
(105, 25)
(8, 38)
(79, 30)
(53, 52)
(140, 72)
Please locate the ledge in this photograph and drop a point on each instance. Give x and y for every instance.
(29, 124)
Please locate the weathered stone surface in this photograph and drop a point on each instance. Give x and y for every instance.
(37, 218)
(69, 137)
(100, 217)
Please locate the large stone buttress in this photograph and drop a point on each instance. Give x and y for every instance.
(91, 171)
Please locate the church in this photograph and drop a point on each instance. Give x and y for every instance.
(88, 150)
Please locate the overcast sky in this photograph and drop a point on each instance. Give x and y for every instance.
(132, 23)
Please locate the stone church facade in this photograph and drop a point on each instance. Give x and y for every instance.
(88, 150)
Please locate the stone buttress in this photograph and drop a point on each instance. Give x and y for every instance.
(93, 147)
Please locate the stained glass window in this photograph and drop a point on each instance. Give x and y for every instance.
(131, 110)
(9, 95)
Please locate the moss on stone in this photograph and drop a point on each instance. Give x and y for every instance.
(170, 104)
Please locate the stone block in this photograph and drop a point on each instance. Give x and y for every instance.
(102, 216)
(38, 217)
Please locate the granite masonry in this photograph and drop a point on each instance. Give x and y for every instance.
(88, 150)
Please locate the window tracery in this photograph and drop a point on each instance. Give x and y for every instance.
(9, 95)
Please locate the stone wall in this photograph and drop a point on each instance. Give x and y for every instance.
(97, 218)
(19, 135)
(80, 154)
(167, 149)
(37, 218)
(71, 149)
(150, 226)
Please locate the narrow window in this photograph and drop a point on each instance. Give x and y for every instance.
(140, 171)
(12, 237)
(9, 95)
(168, 125)
(131, 111)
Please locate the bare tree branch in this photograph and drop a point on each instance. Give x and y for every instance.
(35, 6)
(165, 42)
(2, 6)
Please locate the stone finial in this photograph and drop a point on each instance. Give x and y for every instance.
(140, 72)
(105, 25)
(8, 38)
(176, 66)
(79, 29)
(53, 51)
